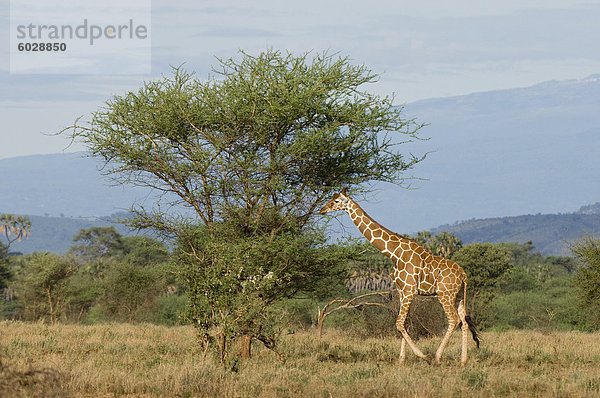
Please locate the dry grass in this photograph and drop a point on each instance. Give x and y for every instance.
(152, 361)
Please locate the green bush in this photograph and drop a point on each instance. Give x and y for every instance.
(130, 292)
(170, 309)
(550, 307)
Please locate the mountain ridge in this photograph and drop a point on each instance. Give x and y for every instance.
(551, 234)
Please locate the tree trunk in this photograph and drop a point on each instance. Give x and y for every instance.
(222, 342)
(246, 346)
(49, 294)
(204, 343)
(320, 320)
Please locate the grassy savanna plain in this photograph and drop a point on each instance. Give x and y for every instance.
(149, 361)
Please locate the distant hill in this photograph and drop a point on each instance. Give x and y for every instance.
(550, 233)
(68, 184)
(590, 209)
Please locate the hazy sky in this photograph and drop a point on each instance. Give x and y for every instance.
(422, 49)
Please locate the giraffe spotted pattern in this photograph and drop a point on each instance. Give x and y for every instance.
(416, 272)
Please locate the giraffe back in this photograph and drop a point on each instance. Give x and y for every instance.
(422, 272)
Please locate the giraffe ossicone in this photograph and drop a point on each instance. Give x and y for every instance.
(416, 272)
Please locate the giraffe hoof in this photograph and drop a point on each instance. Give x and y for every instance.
(428, 359)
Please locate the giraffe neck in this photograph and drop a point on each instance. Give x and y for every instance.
(366, 225)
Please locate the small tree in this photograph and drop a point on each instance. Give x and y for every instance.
(42, 281)
(251, 155)
(587, 277)
(443, 244)
(233, 281)
(118, 275)
(485, 265)
(97, 242)
(128, 291)
(144, 251)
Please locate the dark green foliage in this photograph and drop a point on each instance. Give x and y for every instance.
(42, 279)
(129, 291)
(106, 277)
(170, 309)
(442, 244)
(3, 252)
(143, 251)
(552, 305)
(587, 278)
(485, 265)
(233, 280)
(541, 268)
(12, 229)
(518, 280)
(512, 285)
(5, 273)
(96, 243)
(83, 290)
(122, 277)
(537, 293)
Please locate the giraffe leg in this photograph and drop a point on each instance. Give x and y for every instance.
(462, 313)
(405, 305)
(453, 319)
(402, 350)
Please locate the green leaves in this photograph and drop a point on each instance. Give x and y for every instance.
(232, 279)
(485, 264)
(273, 130)
(587, 278)
(43, 283)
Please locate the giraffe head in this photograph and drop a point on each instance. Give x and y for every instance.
(339, 201)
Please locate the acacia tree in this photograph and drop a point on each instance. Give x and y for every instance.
(250, 155)
(94, 243)
(42, 282)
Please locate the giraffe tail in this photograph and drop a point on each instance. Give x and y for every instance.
(468, 319)
(473, 330)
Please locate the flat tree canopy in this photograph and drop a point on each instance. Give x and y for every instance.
(271, 133)
(251, 153)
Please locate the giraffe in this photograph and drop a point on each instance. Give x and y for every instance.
(416, 272)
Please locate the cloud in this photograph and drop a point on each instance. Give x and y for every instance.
(238, 33)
